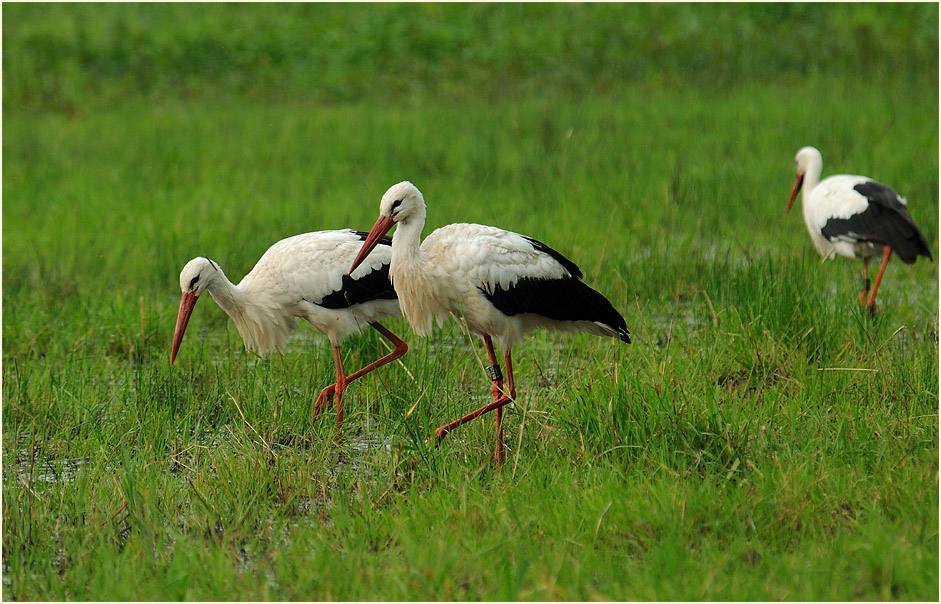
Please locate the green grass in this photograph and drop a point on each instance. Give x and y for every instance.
(762, 438)
(91, 55)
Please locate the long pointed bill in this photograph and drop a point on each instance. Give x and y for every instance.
(382, 226)
(187, 302)
(797, 187)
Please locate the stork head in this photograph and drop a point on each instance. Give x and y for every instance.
(808, 159)
(195, 277)
(402, 203)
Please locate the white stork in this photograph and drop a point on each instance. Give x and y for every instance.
(855, 217)
(304, 277)
(501, 284)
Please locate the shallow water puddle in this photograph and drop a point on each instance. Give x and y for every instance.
(353, 457)
(47, 471)
(32, 466)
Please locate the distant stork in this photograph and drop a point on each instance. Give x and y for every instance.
(856, 217)
(500, 284)
(304, 277)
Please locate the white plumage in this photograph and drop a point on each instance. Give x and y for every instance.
(835, 198)
(303, 277)
(459, 264)
(855, 217)
(496, 282)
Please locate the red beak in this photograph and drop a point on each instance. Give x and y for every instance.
(797, 187)
(187, 302)
(382, 226)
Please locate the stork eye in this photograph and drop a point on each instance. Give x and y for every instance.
(395, 206)
(193, 282)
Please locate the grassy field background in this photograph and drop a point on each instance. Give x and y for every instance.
(761, 438)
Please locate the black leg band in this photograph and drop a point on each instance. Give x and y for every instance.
(866, 284)
(494, 372)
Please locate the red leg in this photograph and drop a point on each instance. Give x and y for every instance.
(339, 387)
(497, 386)
(865, 291)
(509, 391)
(510, 388)
(499, 400)
(441, 432)
(400, 348)
(887, 251)
(508, 361)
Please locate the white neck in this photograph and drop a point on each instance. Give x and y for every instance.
(406, 241)
(413, 276)
(262, 323)
(811, 180)
(226, 295)
(812, 177)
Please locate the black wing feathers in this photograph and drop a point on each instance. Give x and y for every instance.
(886, 221)
(387, 240)
(374, 285)
(567, 299)
(568, 264)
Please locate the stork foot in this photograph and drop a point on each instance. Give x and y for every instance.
(326, 395)
(872, 308)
